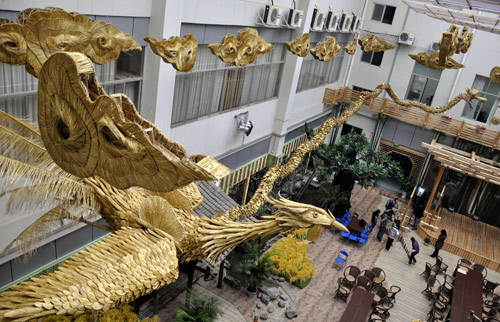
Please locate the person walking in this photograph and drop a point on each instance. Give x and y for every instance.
(414, 251)
(418, 212)
(393, 233)
(383, 225)
(375, 215)
(439, 243)
(391, 204)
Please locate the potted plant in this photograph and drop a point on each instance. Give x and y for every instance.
(407, 185)
(255, 266)
(198, 308)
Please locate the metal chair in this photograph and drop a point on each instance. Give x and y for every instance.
(488, 286)
(351, 273)
(432, 290)
(464, 262)
(429, 271)
(353, 237)
(343, 291)
(480, 269)
(368, 273)
(380, 295)
(435, 316)
(391, 294)
(379, 276)
(441, 302)
(382, 310)
(364, 282)
(487, 317)
(341, 258)
(440, 266)
(447, 286)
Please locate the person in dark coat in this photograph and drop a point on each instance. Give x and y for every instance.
(375, 217)
(418, 212)
(383, 224)
(439, 243)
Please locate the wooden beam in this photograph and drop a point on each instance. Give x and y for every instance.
(434, 189)
(460, 130)
(245, 191)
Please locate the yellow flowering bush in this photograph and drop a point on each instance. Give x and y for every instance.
(300, 233)
(290, 259)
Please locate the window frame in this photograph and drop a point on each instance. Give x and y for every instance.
(427, 78)
(383, 13)
(483, 93)
(371, 57)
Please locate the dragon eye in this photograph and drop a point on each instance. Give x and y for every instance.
(315, 215)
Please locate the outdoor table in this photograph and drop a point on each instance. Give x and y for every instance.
(354, 227)
(467, 295)
(359, 306)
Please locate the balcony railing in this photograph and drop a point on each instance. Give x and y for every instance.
(416, 116)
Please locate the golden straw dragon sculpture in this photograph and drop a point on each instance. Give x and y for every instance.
(82, 157)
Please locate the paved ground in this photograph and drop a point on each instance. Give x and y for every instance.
(316, 303)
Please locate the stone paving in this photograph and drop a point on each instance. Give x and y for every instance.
(316, 302)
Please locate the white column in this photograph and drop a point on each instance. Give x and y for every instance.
(159, 77)
(288, 86)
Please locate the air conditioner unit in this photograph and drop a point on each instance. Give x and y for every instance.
(406, 38)
(318, 20)
(434, 46)
(356, 24)
(345, 23)
(272, 16)
(333, 21)
(295, 18)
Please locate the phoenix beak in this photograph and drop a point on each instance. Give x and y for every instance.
(336, 224)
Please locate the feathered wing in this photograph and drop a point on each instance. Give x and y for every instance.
(25, 161)
(120, 268)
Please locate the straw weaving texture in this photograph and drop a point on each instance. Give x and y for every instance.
(122, 267)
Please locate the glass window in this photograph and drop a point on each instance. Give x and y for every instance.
(482, 112)
(213, 86)
(374, 58)
(383, 13)
(314, 73)
(423, 84)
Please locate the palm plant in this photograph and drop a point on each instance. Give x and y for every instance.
(255, 266)
(198, 308)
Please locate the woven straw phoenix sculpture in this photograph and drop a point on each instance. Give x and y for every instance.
(93, 153)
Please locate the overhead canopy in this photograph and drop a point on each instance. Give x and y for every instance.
(464, 162)
(478, 14)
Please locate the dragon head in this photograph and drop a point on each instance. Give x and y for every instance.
(299, 215)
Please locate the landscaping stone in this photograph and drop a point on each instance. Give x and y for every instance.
(265, 299)
(270, 309)
(263, 316)
(291, 314)
(284, 297)
(272, 292)
(281, 304)
(281, 279)
(259, 305)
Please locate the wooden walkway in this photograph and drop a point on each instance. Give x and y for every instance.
(473, 240)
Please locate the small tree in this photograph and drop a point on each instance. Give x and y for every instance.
(198, 308)
(255, 266)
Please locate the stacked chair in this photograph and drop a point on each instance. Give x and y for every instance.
(429, 271)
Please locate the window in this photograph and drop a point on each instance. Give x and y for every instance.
(383, 13)
(214, 86)
(482, 111)
(360, 89)
(314, 73)
(371, 57)
(423, 84)
(18, 89)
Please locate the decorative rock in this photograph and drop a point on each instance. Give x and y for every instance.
(272, 292)
(291, 314)
(281, 279)
(270, 309)
(259, 305)
(265, 299)
(233, 282)
(284, 297)
(259, 295)
(263, 316)
(274, 277)
(281, 304)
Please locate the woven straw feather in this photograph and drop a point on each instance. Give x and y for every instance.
(118, 269)
(160, 214)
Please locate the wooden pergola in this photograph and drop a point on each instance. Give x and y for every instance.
(464, 162)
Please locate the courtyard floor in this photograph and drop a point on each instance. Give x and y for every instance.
(316, 302)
